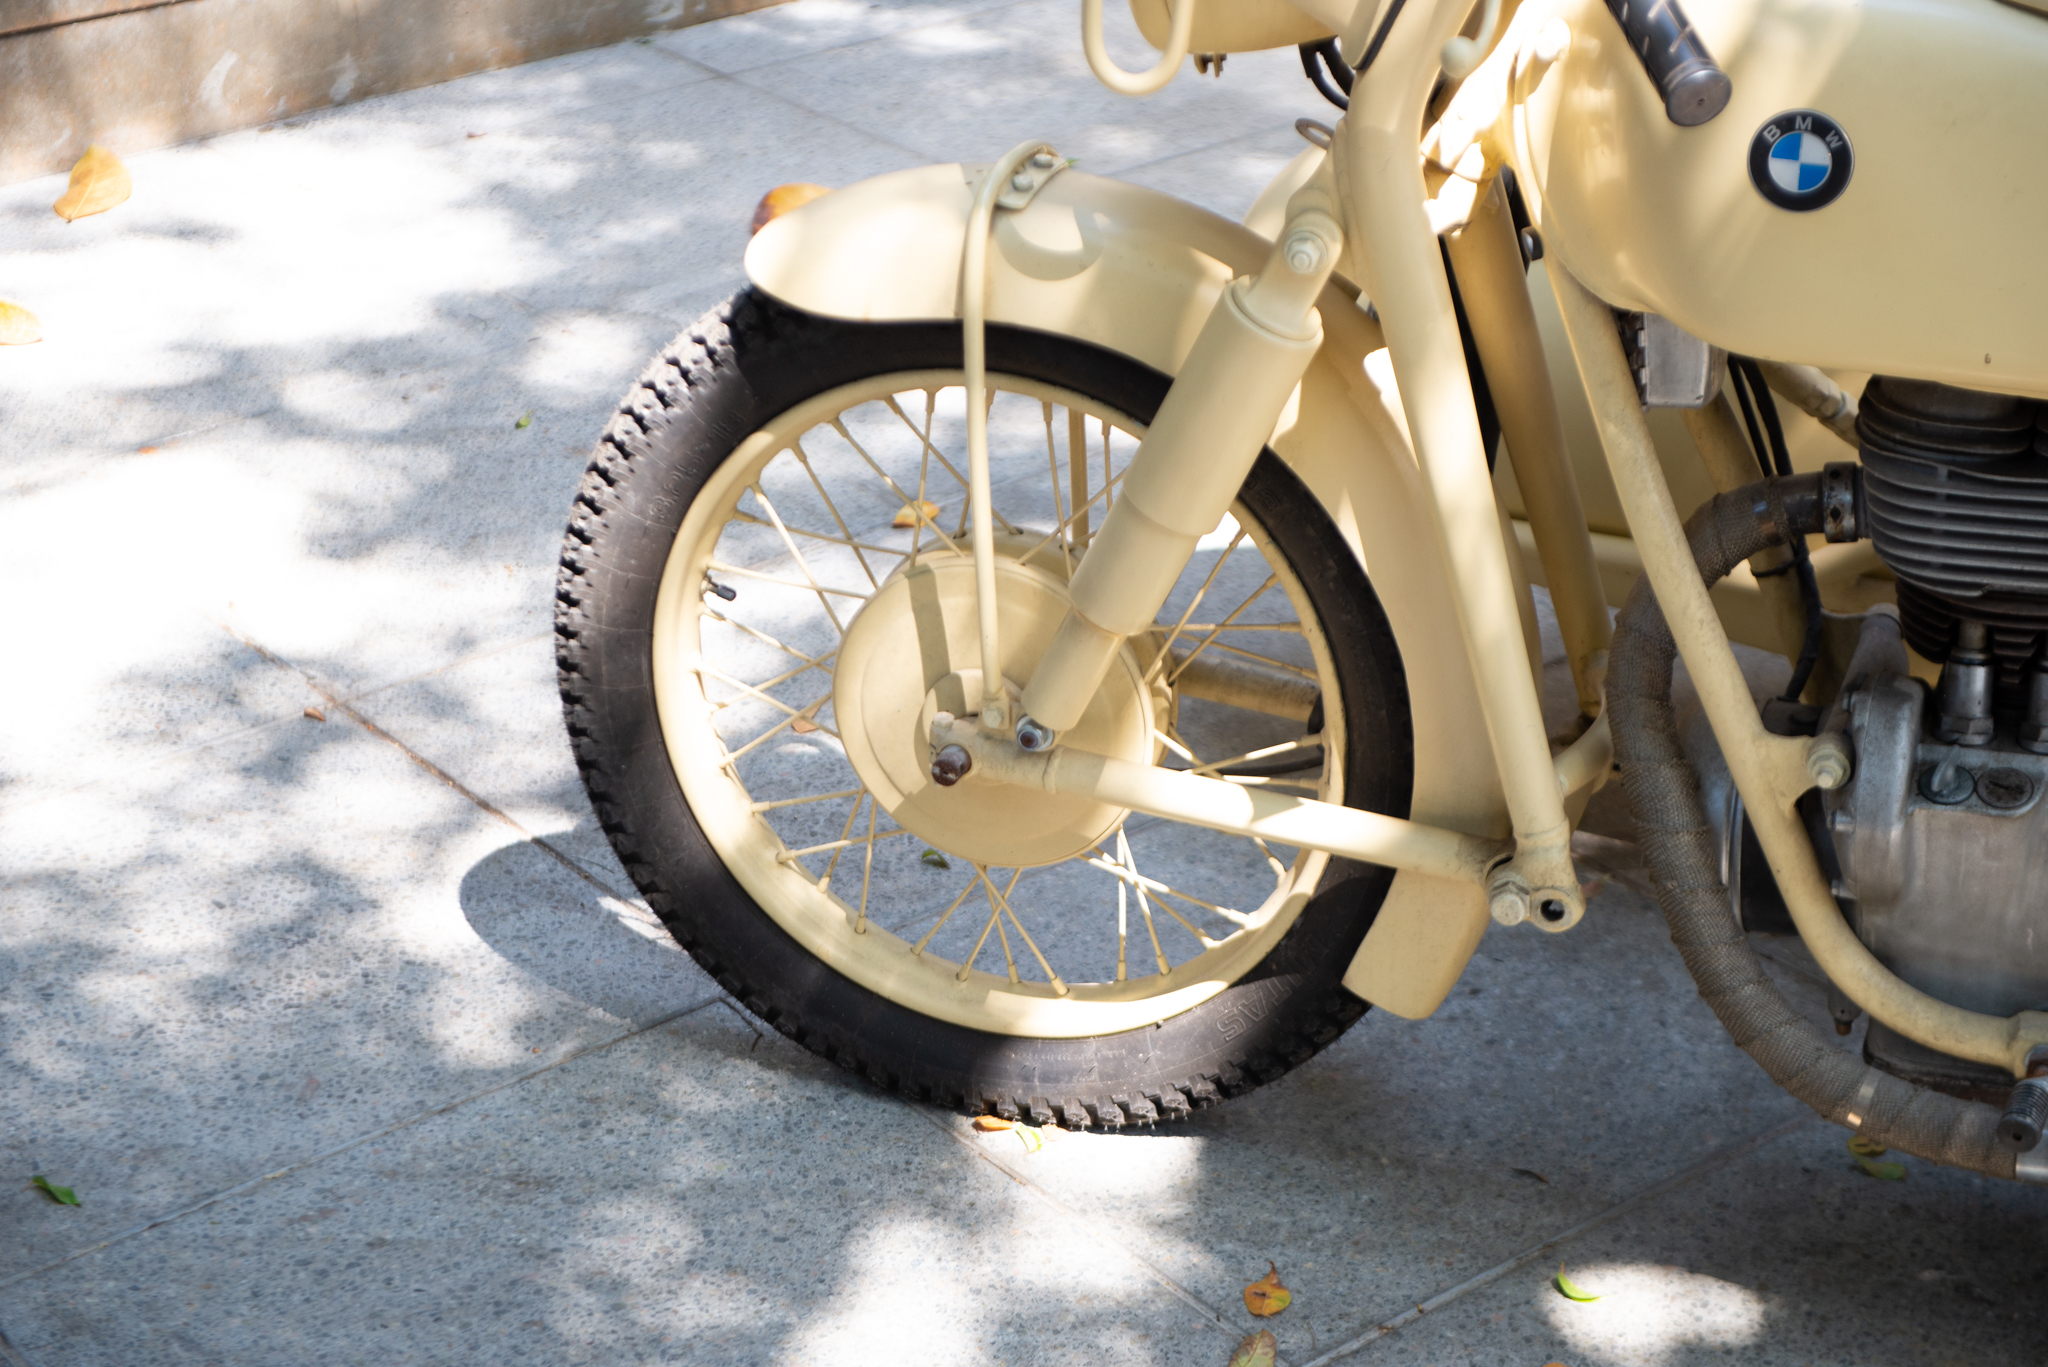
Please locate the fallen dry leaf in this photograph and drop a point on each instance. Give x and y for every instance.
(18, 327)
(315, 714)
(1530, 1172)
(804, 725)
(989, 1124)
(98, 182)
(906, 516)
(782, 199)
(1266, 1296)
(1255, 1350)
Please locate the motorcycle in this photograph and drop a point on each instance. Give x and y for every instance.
(1056, 652)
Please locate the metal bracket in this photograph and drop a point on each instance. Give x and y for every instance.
(1026, 182)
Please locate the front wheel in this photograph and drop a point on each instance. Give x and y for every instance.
(766, 594)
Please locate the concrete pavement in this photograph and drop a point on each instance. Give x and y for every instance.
(355, 1040)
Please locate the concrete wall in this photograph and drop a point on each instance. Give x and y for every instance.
(134, 74)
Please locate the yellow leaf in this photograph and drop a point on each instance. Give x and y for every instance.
(98, 182)
(1266, 1296)
(1883, 1172)
(907, 516)
(1255, 1350)
(782, 199)
(1864, 1147)
(1571, 1292)
(18, 326)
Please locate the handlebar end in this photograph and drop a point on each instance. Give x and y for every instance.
(1695, 93)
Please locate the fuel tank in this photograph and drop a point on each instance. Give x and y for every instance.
(1873, 198)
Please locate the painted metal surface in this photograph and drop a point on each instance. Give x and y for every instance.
(1928, 264)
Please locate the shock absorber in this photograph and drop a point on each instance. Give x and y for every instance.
(1251, 353)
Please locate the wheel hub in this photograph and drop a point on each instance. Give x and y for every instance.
(913, 651)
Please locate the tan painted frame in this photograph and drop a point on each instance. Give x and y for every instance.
(1382, 429)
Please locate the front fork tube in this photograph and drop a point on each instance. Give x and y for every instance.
(1380, 180)
(1247, 360)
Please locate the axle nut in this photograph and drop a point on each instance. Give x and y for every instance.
(950, 764)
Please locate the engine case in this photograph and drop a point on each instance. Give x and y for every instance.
(1950, 895)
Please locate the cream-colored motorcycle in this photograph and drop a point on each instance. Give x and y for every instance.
(1056, 652)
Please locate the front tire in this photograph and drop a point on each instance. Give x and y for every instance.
(664, 547)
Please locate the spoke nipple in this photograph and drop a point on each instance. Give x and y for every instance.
(950, 764)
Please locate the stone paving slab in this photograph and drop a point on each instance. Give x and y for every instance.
(389, 958)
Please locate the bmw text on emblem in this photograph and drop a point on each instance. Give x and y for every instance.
(1800, 160)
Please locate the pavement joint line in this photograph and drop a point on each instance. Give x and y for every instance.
(341, 705)
(1719, 1159)
(242, 1188)
(11, 1354)
(281, 719)
(1209, 1314)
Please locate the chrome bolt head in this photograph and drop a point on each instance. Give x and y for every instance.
(1033, 736)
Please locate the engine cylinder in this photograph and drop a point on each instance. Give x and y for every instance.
(1956, 483)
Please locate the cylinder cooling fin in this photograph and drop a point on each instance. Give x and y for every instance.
(1956, 483)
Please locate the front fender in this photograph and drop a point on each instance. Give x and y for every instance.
(1136, 272)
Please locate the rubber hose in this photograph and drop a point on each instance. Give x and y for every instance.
(1679, 847)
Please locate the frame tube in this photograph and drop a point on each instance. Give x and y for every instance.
(1769, 771)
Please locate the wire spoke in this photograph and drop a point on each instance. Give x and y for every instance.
(848, 541)
(917, 950)
(1103, 494)
(761, 496)
(915, 505)
(1286, 747)
(1123, 850)
(867, 871)
(932, 452)
(1166, 647)
(1029, 943)
(795, 713)
(813, 587)
(1210, 639)
(800, 801)
(787, 856)
(1059, 512)
(1143, 884)
(845, 531)
(813, 661)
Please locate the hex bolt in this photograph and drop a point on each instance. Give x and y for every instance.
(1827, 760)
(1032, 735)
(950, 764)
(1963, 695)
(2026, 1115)
(1022, 181)
(1305, 252)
(1507, 900)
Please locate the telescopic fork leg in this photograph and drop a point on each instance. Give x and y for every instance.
(1249, 356)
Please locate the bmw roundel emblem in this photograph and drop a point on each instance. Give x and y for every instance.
(1800, 160)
